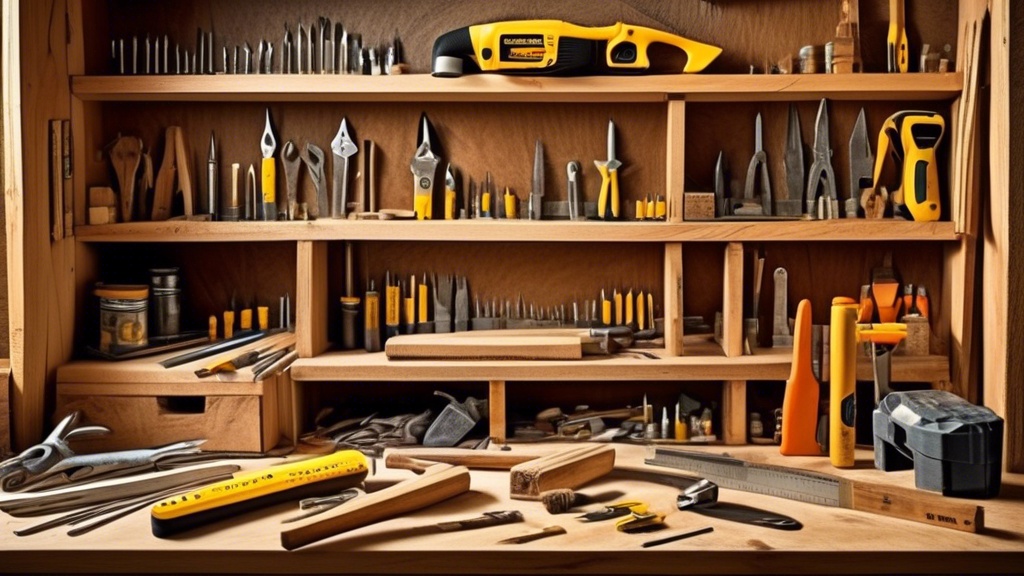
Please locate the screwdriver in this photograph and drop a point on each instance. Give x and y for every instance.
(511, 204)
(485, 200)
(349, 303)
(629, 309)
(641, 315)
(213, 327)
(263, 314)
(617, 296)
(245, 319)
(660, 208)
(606, 310)
(409, 306)
(649, 207)
(393, 297)
(422, 319)
(371, 320)
(641, 209)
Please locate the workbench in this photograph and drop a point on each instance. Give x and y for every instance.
(832, 540)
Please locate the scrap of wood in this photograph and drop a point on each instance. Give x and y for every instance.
(439, 483)
(569, 469)
(414, 458)
(464, 347)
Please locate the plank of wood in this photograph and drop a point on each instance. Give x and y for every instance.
(163, 191)
(403, 458)
(548, 231)
(732, 301)
(675, 150)
(497, 88)
(56, 180)
(311, 304)
(496, 406)
(569, 469)
(439, 483)
(674, 299)
(915, 505)
(503, 347)
(734, 412)
(125, 156)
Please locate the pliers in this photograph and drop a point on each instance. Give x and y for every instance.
(826, 205)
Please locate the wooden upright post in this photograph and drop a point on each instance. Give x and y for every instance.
(676, 146)
(497, 411)
(732, 301)
(311, 306)
(674, 299)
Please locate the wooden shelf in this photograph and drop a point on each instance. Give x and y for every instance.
(518, 231)
(497, 88)
(251, 543)
(704, 360)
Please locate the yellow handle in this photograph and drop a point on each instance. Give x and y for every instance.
(843, 382)
(641, 210)
(263, 313)
(423, 303)
(629, 308)
(660, 209)
(449, 204)
(698, 54)
(641, 315)
(614, 176)
(606, 312)
(485, 203)
(269, 181)
(213, 327)
(229, 324)
(618, 309)
(245, 323)
(650, 210)
(422, 206)
(511, 206)
(602, 197)
(393, 305)
(371, 315)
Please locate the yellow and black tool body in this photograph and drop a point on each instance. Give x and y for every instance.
(252, 490)
(554, 47)
(912, 137)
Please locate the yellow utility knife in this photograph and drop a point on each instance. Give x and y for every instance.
(535, 47)
(248, 491)
(268, 145)
(608, 199)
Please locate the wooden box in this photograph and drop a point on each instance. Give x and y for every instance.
(233, 415)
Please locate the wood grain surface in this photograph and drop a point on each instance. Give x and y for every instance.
(744, 28)
(251, 542)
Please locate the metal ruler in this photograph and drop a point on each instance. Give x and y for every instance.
(736, 474)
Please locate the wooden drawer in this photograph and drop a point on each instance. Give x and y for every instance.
(237, 417)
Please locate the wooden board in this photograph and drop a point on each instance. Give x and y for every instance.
(704, 361)
(470, 347)
(520, 231)
(568, 469)
(311, 304)
(251, 542)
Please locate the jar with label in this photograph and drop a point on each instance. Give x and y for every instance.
(123, 317)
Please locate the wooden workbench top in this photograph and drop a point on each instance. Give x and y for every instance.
(832, 540)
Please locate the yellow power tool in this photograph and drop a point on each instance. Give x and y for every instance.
(912, 137)
(550, 47)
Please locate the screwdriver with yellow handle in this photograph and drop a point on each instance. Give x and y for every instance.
(248, 491)
(511, 204)
(268, 145)
(608, 199)
(641, 311)
(392, 307)
(606, 310)
(421, 309)
(617, 297)
(371, 320)
(629, 309)
(449, 194)
(409, 306)
(487, 198)
(896, 48)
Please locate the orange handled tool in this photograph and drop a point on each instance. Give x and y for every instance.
(800, 403)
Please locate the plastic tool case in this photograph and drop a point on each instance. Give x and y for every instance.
(954, 446)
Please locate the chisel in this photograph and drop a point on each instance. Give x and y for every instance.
(511, 204)
(212, 180)
(392, 310)
(409, 306)
(423, 326)
(268, 145)
(349, 303)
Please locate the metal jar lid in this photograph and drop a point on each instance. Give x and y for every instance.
(165, 277)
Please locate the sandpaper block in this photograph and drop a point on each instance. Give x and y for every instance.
(570, 469)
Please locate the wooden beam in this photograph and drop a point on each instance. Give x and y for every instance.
(675, 165)
(734, 412)
(674, 299)
(311, 306)
(496, 405)
(732, 301)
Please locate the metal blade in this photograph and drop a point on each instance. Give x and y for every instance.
(862, 158)
(794, 157)
(611, 141)
(268, 144)
(758, 139)
(822, 146)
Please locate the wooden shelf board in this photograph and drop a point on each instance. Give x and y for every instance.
(498, 88)
(518, 231)
(250, 543)
(703, 360)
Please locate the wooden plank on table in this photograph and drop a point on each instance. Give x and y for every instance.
(566, 469)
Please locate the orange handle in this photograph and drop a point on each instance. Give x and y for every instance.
(800, 403)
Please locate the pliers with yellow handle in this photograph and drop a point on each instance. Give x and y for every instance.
(608, 199)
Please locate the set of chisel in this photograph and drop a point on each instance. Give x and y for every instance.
(320, 48)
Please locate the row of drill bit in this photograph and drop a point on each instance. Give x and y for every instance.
(322, 48)
(621, 309)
